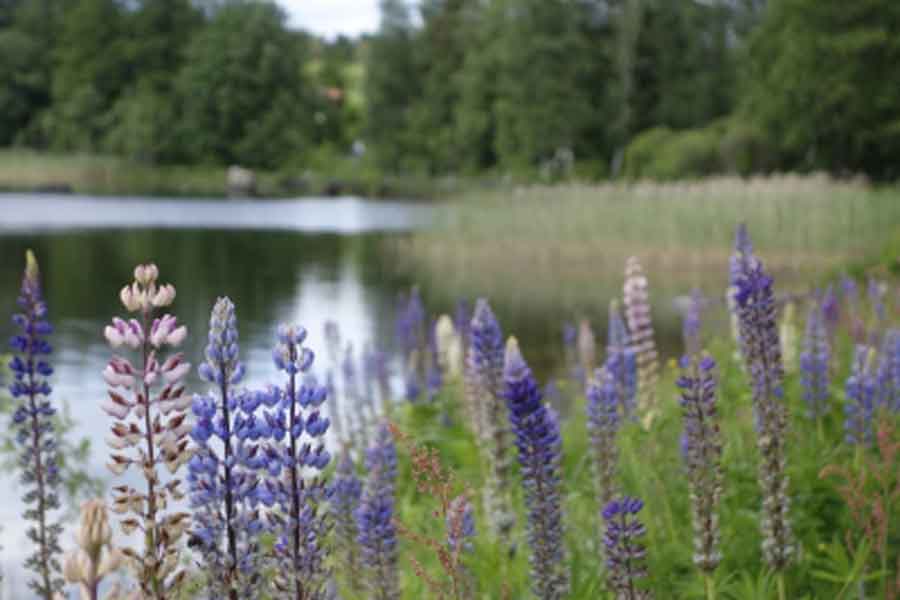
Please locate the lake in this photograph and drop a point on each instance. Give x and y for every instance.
(303, 261)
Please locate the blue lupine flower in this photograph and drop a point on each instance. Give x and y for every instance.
(412, 340)
(33, 421)
(374, 517)
(702, 454)
(297, 447)
(603, 422)
(861, 391)
(815, 363)
(761, 349)
(888, 377)
(622, 363)
(460, 525)
(345, 499)
(536, 429)
(625, 554)
(831, 311)
(223, 483)
(484, 371)
(692, 323)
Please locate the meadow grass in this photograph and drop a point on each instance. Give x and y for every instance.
(561, 248)
(651, 468)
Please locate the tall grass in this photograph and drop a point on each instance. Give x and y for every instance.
(561, 248)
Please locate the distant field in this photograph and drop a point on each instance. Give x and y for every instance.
(563, 248)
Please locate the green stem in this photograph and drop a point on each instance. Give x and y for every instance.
(710, 586)
(781, 593)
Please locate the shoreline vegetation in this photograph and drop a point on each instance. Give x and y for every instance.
(539, 248)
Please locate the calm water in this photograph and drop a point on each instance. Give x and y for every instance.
(298, 261)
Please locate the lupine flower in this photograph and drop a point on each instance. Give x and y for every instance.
(460, 524)
(815, 363)
(625, 554)
(345, 498)
(587, 347)
(692, 323)
(640, 327)
(375, 518)
(603, 422)
(861, 390)
(787, 333)
(485, 373)
(831, 312)
(888, 378)
(755, 301)
(95, 557)
(851, 295)
(223, 483)
(412, 341)
(150, 428)
(536, 429)
(702, 454)
(296, 447)
(32, 420)
(621, 361)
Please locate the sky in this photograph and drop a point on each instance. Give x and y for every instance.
(333, 17)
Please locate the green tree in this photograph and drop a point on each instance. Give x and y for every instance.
(244, 91)
(822, 81)
(392, 87)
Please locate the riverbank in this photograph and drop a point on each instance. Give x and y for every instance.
(29, 171)
(562, 248)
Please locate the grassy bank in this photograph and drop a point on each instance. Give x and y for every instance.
(27, 171)
(563, 248)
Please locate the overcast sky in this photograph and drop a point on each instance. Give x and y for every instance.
(333, 17)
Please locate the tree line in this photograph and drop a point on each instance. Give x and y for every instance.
(593, 88)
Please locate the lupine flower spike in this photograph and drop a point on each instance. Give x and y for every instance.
(755, 300)
(815, 372)
(485, 373)
(603, 425)
(412, 339)
(861, 392)
(375, 518)
(621, 362)
(536, 429)
(625, 554)
(32, 420)
(345, 499)
(640, 327)
(702, 455)
(296, 447)
(222, 473)
(150, 428)
(692, 323)
(888, 377)
(95, 557)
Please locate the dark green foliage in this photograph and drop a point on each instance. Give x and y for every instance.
(822, 82)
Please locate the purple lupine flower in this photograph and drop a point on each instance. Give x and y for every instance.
(412, 341)
(603, 422)
(157, 433)
(702, 454)
(888, 377)
(223, 484)
(815, 363)
(460, 525)
(625, 553)
(692, 323)
(536, 429)
(35, 432)
(861, 391)
(640, 328)
(755, 305)
(621, 361)
(831, 312)
(484, 371)
(345, 499)
(375, 518)
(295, 456)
